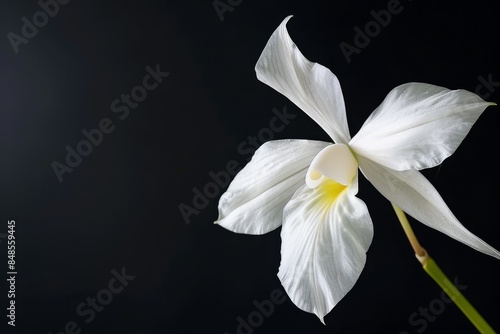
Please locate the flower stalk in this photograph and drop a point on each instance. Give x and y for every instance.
(433, 270)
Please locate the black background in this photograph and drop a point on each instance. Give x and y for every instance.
(119, 208)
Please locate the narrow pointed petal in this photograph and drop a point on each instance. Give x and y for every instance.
(311, 86)
(415, 195)
(417, 126)
(254, 201)
(325, 235)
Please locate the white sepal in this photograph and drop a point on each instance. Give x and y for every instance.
(311, 86)
(415, 195)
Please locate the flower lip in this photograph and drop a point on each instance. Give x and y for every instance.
(334, 162)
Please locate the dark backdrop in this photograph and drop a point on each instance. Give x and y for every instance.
(117, 213)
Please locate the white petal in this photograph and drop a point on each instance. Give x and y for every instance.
(324, 244)
(414, 194)
(417, 126)
(254, 201)
(312, 87)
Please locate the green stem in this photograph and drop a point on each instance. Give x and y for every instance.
(431, 268)
(419, 250)
(463, 304)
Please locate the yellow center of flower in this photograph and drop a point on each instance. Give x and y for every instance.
(329, 191)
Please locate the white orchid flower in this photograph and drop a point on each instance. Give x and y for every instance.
(310, 187)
